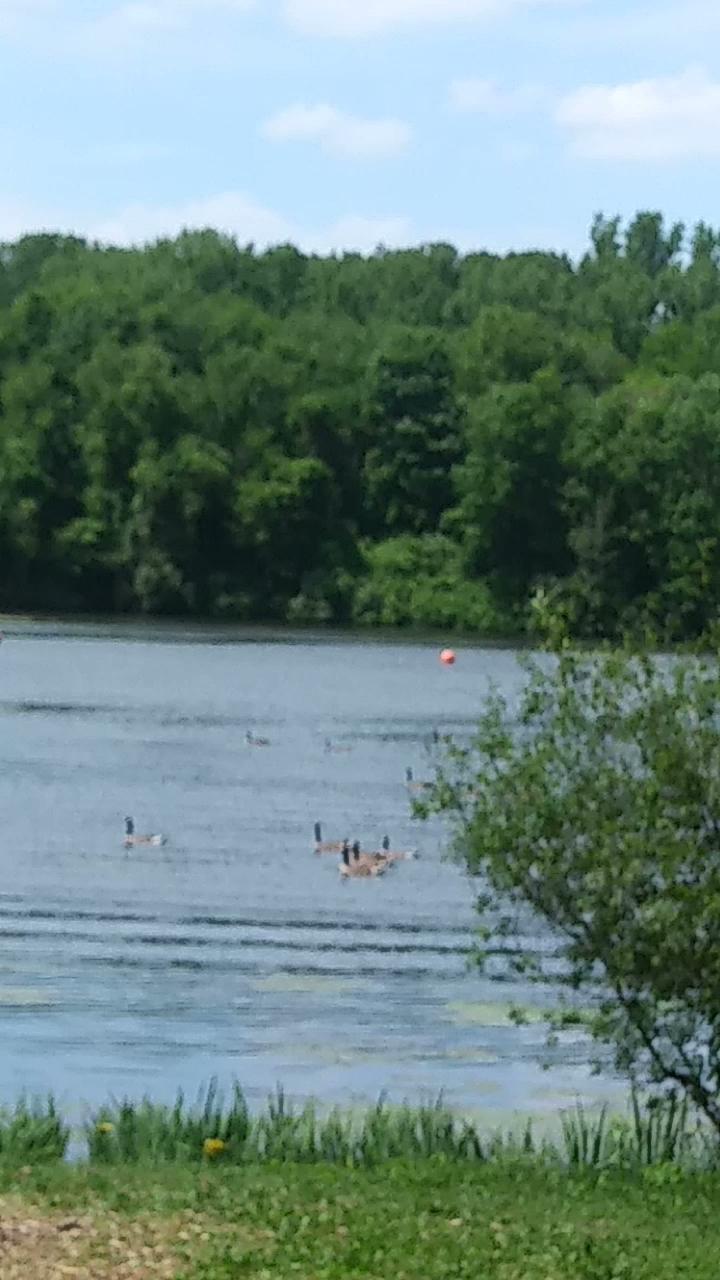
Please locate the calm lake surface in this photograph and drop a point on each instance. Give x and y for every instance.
(234, 951)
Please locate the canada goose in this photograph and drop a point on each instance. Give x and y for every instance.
(381, 859)
(252, 741)
(358, 867)
(385, 855)
(363, 870)
(326, 846)
(336, 749)
(412, 785)
(131, 840)
(395, 855)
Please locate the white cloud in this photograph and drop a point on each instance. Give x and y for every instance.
(11, 8)
(361, 235)
(231, 212)
(239, 215)
(140, 18)
(668, 118)
(486, 97)
(676, 25)
(18, 219)
(22, 15)
(338, 132)
(176, 12)
(370, 17)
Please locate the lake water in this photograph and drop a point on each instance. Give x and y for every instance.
(234, 951)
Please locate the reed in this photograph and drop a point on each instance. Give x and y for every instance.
(657, 1133)
(127, 1133)
(32, 1133)
(213, 1130)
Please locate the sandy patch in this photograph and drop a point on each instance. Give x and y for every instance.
(36, 1244)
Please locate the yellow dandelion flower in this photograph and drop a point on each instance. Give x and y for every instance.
(106, 1127)
(213, 1147)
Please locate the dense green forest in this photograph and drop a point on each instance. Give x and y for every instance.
(417, 437)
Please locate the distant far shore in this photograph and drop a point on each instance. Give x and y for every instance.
(176, 628)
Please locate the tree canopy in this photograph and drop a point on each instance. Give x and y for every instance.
(198, 427)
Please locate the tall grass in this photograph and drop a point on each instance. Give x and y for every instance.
(125, 1132)
(31, 1133)
(219, 1130)
(128, 1133)
(659, 1133)
(213, 1131)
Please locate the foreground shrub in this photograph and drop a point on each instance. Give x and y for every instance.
(594, 803)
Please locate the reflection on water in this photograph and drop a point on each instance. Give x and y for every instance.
(235, 951)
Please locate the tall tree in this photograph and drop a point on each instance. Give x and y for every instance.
(509, 518)
(643, 501)
(414, 434)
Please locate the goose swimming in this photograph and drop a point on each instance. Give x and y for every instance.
(132, 840)
(326, 846)
(412, 785)
(357, 867)
(385, 856)
(253, 741)
(395, 855)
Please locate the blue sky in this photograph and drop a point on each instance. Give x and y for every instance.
(344, 123)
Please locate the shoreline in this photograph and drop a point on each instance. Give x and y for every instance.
(226, 1129)
(75, 624)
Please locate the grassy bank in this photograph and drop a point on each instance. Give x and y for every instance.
(508, 1220)
(212, 1192)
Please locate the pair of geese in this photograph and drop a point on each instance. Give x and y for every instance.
(358, 865)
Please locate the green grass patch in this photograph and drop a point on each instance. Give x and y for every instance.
(215, 1192)
(512, 1219)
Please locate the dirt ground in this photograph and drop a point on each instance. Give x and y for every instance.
(38, 1245)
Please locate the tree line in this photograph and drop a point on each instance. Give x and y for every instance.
(413, 438)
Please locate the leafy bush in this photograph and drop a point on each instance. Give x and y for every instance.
(418, 581)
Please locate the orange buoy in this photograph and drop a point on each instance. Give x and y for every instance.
(447, 657)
